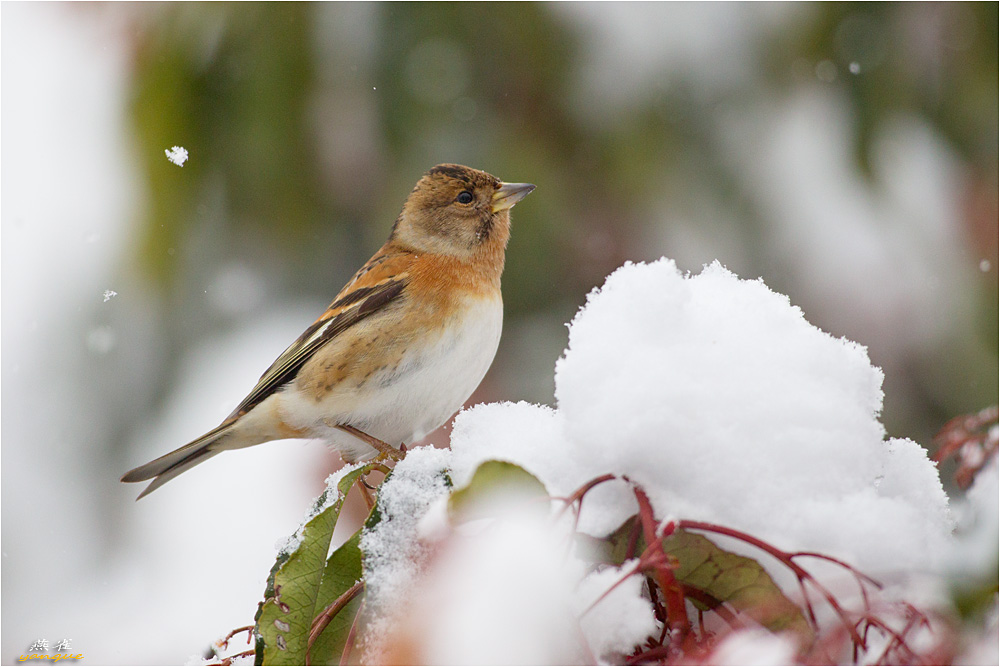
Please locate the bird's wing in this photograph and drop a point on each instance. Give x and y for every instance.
(378, 283)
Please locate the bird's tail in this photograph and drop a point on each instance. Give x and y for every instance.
(168, 466)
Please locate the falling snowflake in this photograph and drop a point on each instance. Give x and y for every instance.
(108, 294)
(178, 155)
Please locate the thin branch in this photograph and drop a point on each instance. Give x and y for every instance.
(634, 571)
(785, 559)
(320, 622)
(897, 640)
(349, 642)
(836, 561)
(714, 604)
(663, 574)
(228, 661)
(577, 496)
(656, 653)
(363, 490)
(224, 642)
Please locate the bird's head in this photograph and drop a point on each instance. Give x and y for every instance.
(458, 211)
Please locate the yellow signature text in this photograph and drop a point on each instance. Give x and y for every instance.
(55, 657)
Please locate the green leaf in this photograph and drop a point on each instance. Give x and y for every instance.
(494, 479)
(613, 549)
(709, 572)
(343, 570)
(739, 581)
(292, 596)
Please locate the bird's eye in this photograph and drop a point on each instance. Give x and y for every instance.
(464, 197)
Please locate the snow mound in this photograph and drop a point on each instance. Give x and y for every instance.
(719, 398)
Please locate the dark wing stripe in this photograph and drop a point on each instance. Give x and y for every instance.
(354, 296)
(285, 367)
(382, 297)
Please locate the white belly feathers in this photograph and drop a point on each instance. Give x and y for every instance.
(405, 403)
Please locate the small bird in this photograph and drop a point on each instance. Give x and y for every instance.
(402, 346)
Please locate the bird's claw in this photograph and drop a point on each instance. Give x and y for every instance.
(392, 454)
(386, 451)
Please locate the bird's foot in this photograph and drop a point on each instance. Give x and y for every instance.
(386, 451)
(391, 454)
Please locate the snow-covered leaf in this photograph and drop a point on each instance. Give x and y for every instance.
(710, 573)
(343, 570)
(491, 479)
(738, 581)
(291, 599)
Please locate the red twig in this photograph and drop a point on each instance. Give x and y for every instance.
(662, 569)
(351, 634)
(808, 603)
(859, 576)
(621, 580)
(228, 661)
(224, 642)
(897, 639)
(786, 560)
(718, 606)
(972, 440)
(363, 490)
(659, 611)
(653, 654)
(576, 498)
(320, 622)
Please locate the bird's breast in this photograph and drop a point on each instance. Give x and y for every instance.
(403, 376)
(433, 379)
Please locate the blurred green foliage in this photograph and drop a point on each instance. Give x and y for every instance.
(308, 123)
(937, 59)
(233, 85)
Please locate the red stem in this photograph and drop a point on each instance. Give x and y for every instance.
(320, 622)
(228, 661)
(673, 595)
(246, 628)
(655, 653)
(634, 571)
(897, 640)
(713, 604)
(349, 642)
(577, 496)
(787, 561)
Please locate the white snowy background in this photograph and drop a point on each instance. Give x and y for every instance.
(155, 582)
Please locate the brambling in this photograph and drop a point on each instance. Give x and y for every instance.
(401, 347)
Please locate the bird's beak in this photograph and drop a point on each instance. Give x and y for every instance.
(509, 194)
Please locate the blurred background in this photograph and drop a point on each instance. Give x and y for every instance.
(845, 153)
